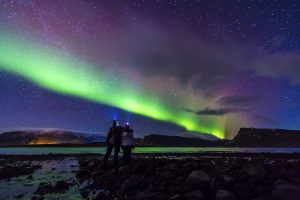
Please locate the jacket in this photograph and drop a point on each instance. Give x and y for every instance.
(127, 138)
(114, 135)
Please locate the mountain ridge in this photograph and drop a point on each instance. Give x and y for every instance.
(246, 137)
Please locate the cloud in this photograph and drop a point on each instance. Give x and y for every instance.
(239, 100)
(218, 112)
(281, 64)
(266, 119)
(205, 65)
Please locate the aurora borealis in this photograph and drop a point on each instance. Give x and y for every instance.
(62, 73)
(167, 67)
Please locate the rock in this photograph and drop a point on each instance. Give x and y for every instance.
(223, 181)
(19, 196)
(175, 197)
(171, 167)
(286, 191)
(244, 191)
(151, 196)
(280, 181)
(225, 195)
(29, 177)
(197, 179)
(195, 195)
(61, 185)
(131, 184)
(256, 171)
(91, 164)
(190, 164)
(124, 169)
(166, 174)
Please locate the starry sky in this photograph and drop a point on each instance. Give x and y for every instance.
(181, 67)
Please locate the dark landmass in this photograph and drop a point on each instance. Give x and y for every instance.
(47, 137)
(246, 137)
(177, 141)
(252, 137)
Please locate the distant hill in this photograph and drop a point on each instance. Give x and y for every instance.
(47, 136)
(253, 137)
(178, 141)
(246, 137)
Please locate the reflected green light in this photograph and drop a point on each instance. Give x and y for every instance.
(63, 73)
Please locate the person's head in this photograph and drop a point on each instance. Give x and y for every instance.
(126, 125)
(114, 123)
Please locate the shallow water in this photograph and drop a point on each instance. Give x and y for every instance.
(101, 150)
(51, 171)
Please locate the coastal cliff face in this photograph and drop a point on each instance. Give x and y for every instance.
(253, 137)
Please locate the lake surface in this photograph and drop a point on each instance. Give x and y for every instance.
(101, 150)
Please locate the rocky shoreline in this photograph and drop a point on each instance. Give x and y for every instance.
(256, 176)
(172, 176)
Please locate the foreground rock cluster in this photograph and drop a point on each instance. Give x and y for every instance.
(11, 168)
(256, 177)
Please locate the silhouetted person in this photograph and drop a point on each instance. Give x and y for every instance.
(127, 144)
(113, 141)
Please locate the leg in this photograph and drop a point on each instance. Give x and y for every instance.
(124, 152)
(116, 152)
(125, 155)
(107, 154)
(129, 155)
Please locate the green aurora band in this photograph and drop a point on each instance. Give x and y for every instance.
(63, 73)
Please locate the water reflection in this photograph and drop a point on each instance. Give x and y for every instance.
(101, 150)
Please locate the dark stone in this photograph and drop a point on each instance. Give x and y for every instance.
(124, 169)
(175, 197)
(197, 179)
(131, 184)
(286, 191)
(194, 195)
(223, 181)
(151, 196)
(19, 196)
(225, 195)
(62, 185)
(166, 174)
(244, 191)
(29, 177)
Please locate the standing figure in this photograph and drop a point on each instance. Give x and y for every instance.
(113, 141)
(127, 144)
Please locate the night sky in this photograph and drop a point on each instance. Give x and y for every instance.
(166, 67)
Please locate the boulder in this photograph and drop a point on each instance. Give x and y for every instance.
(175, 197)
(124, 169)
(131, 184)
(166, 174)
(258, 171)
(223, 181)
(286, 191)
(61, 185)
(244, 191)
(194, 195)
(197, 179)
(151, 196)
(91, 164)
(225, 195)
